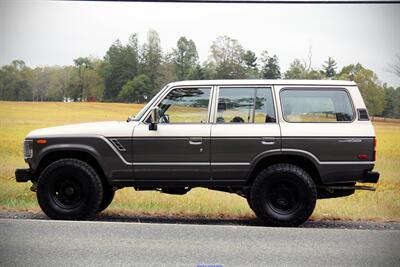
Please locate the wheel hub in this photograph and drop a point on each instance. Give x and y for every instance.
(282, 201)
(282, 197)
(69, 191)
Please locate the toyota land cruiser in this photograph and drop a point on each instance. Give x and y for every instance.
(281, 144)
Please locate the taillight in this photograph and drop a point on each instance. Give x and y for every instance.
(374, 158)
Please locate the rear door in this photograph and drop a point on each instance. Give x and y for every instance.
(245, 126)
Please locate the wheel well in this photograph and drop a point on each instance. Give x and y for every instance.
(81, 155)
(300, 161)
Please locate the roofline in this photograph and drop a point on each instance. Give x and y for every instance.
(264, 82)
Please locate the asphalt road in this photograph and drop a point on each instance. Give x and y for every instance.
(61, 243)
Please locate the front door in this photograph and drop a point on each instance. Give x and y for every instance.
(245, 127)
(180, 147)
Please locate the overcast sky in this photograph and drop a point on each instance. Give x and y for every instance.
(49, 33)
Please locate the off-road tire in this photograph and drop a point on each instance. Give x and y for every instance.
(283, 195)
(248, 198)
(108, 196)
(69, 189)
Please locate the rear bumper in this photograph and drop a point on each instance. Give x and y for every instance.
(22, 175)
(370, 177)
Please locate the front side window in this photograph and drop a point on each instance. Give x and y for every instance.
(316, 105)
(139, 115)
(185, 105)
(245, 105)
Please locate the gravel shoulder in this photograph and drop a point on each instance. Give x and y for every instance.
(108, 217)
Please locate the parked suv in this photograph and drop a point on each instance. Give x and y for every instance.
(281, 144)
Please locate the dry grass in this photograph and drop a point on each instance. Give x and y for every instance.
(18, 118)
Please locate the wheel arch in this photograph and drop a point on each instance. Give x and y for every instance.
(76, 153)
(299, 159)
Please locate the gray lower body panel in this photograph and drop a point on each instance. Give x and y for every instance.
(172, 172)
(341, 173)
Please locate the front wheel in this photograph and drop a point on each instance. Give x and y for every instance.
(69, 189)
(108, 196)
(283, 195)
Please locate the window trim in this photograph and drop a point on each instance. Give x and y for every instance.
(257, 86)
(310, 88)
(151, 102)
(167, 91)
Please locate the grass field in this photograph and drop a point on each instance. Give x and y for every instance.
(18, 118)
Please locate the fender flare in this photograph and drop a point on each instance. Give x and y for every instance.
(283, 152)
(70, 147)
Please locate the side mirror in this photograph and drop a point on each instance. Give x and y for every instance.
(155, 118)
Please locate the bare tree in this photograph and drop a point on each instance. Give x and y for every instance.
(395, 68)
(309, 58)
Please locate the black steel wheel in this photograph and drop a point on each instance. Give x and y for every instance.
(283, 195)
(69, 189)
(67, 192)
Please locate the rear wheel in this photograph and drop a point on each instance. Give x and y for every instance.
(69, 189)
(248, 198)
(283, 195)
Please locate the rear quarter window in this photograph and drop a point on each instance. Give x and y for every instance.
(316, 105)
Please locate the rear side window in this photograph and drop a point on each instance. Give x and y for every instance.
(316, 105)
(245, 105)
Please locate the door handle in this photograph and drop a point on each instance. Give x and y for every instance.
(268, 140)
(195, 141)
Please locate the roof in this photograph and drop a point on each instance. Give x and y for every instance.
(264, 82)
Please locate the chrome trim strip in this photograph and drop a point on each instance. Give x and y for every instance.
(115, 150)
(329, 137)
(327, 162)
(345, 162)
(350, 140)
(170, 163)
(230, 163)
(192, 163)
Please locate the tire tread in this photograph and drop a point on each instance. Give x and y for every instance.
(91, 209)
(256, 194)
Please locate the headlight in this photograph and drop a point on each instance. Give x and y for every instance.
(28, 151)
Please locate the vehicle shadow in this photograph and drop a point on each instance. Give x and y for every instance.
(131, 218)
(333, 224)
(177, 220)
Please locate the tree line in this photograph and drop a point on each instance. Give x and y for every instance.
(134, 72)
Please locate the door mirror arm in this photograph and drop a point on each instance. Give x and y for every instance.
(155, 118)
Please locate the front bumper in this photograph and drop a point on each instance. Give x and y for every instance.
(370, 177)
(23, 175)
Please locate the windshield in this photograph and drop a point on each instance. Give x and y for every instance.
(148, 105)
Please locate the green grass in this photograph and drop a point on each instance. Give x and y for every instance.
(18, 118)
